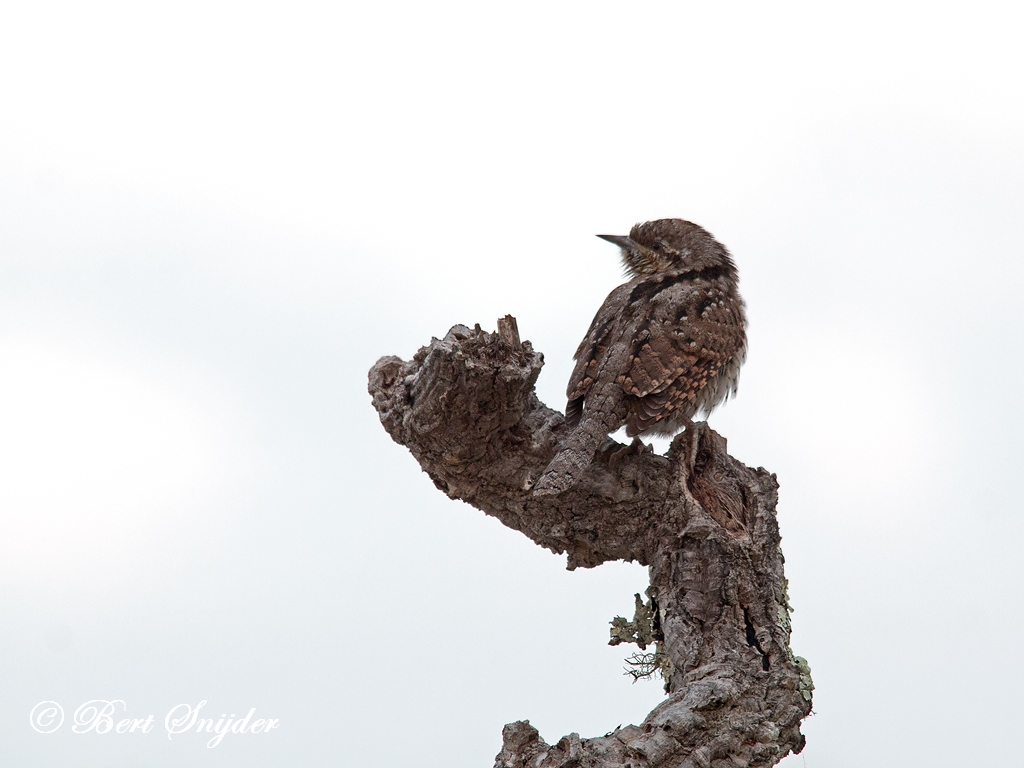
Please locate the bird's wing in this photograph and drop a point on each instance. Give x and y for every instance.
(591, 351)
(683, 335)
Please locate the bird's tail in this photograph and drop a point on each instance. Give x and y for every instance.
(573, 458)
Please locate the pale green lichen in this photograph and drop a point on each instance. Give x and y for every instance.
(643, 666)
(784, 609)
(644, 630)
(640, 630)
(806, 685)
(783, 620)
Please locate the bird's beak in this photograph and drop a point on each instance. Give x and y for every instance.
(623, 241)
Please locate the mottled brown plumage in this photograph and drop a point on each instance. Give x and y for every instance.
(663, 347)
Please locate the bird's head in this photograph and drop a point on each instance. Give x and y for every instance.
(669, 245)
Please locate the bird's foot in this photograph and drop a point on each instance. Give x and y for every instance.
(635, 448)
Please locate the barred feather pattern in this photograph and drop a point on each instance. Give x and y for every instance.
(663, 347)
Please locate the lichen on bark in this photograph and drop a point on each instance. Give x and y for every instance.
(644, 630)
(702, 522)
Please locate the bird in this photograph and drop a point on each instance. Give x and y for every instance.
(664, 346)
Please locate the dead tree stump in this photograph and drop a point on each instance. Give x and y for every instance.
(717, 612)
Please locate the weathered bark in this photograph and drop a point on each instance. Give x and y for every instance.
(701, 521)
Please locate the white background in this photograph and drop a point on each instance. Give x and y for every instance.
(214, 217)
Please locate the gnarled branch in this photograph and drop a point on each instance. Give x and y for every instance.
(701, 521)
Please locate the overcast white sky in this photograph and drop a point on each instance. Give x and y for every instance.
(214, 217)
